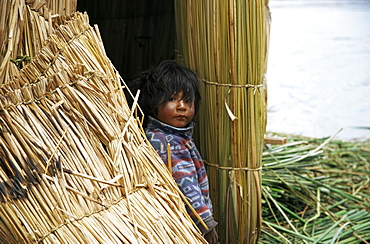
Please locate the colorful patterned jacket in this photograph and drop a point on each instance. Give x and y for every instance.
(187, 166)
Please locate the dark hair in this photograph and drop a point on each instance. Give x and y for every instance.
(158, 84)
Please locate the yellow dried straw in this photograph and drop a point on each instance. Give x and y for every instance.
(66, 112)
(24, 26)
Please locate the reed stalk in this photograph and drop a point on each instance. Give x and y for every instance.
(311, 195)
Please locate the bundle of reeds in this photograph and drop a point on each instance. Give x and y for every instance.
(226, 42)
(75, 167)
(24, 28)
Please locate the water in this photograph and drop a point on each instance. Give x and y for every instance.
(319, 68)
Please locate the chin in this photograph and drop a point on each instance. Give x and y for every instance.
(179, 125)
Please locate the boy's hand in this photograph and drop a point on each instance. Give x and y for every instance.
(211, 236)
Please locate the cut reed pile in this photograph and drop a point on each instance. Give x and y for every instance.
(226, 43)
(316, 191)
(75, 167)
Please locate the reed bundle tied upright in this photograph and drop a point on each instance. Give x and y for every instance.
(226, 43)
(75, 167)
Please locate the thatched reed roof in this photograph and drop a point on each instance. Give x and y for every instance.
(75, 167)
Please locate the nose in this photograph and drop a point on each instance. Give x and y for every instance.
(181, 105)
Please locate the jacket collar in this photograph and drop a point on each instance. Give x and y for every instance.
(157, 125)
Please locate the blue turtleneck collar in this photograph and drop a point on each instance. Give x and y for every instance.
(157, 125)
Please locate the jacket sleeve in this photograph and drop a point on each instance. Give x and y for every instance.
(187, 178)
(159, 143)
(185, 175)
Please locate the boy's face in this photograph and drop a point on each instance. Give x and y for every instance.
(176, 111)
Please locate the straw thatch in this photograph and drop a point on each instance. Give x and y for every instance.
(226, 43)
(75, 167)
(24, 28)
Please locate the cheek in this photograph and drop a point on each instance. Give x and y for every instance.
(192, 109)
(168, 108)
(165, 111)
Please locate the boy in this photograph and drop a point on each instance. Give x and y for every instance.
(170, 99)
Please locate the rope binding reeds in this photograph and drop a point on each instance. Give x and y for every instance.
(254, 86)
(232, 168)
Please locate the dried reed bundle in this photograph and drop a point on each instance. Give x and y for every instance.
(226, 43)
(75, 167)
(53, 7)
(24, 26)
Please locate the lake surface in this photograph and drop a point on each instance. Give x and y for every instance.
(319, 68)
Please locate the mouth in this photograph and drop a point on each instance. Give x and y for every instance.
(181, 117)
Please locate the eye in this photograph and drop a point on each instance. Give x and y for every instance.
(188, 100)
(172, 98)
